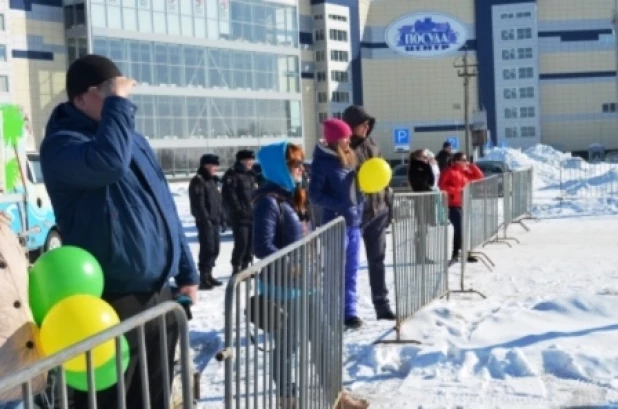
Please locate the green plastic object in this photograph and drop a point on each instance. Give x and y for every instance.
(61, 273)
(12, 124)
(104, 376)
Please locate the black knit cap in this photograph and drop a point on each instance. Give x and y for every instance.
(89, 71)
(244, 154)
(209, 159)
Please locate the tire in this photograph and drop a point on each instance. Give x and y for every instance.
(52, 241)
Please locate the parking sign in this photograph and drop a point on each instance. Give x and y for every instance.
(454, 141)
(401, 139)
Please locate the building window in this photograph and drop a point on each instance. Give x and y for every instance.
(524, 14)
(322, 116)
(526, 92)
(339, 76)
(338, 35)
(2, 52)
(4, 84)
(508, 54)
(524, 53)
(526, 112)
(526, 72)
(2, 26)
(341, 97)
(510, 132)
(337, 17)
(509, 73)
(319, 35)
(508, 34)
(510, 113)
(338, 115)
(338, 55)
(524, 33)
(506, 16)
(320, 56)
(608, 108)
(318, 17)
(510, 93)
(320, 76)
(528, 131)
(322, 97)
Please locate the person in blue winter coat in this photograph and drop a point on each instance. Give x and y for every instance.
(334, 188)
(111, 198)
(281, 218)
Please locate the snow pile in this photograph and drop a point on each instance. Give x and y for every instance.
(544, 159)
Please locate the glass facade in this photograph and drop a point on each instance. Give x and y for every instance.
(155, 63)
(171, 64)
(172, 117)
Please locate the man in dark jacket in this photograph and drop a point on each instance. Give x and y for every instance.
(376, 211)
(207, 209)
(110, 198)
(444, 156)
(420, 174)
(239, 182)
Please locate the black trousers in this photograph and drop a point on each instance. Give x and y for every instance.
(455, 215)
(242, 255)
(209, 236)
(374, 236)
(127, 306)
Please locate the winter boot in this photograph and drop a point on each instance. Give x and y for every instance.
(472, 259)
(386, 314)
(213, 281)
(346, 401)
(353, 323)
(205, 283)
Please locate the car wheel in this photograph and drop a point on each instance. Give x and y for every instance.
(53, 241)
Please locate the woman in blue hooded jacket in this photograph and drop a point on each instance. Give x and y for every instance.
(334, 188)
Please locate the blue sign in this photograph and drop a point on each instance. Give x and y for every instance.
(454, 141)
(426, 35)
(401, 139)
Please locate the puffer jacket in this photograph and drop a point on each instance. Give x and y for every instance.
(455, 178)
(376, 204)
(334, 188)
(18, 332)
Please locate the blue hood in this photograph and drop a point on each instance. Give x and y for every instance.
(66, 117)
(274, 166)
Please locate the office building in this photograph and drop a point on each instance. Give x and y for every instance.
(546, 69)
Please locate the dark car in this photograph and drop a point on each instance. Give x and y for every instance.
(399, 180)
(493, 168)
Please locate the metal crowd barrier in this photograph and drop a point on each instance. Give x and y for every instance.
(517, 207)
(284, 326)
(420, 253)
(24, 379)
(480, 224)
(582, 180)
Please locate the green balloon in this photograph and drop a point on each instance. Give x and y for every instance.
(12, 124)
(104, 375)
(61, 273)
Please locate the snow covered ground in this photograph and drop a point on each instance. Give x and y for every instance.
(545, 336)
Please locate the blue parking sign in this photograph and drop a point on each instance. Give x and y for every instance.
(454, 141)
(401, 139)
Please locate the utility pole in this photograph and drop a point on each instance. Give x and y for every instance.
(467, 71)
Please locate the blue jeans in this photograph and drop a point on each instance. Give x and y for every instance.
(16, 404)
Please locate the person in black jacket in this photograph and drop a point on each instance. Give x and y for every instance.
(444, 156)
(420, 174)
(207, 208)
(239, 182)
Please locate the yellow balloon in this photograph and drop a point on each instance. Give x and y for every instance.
(74, 319)
(374, 175)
